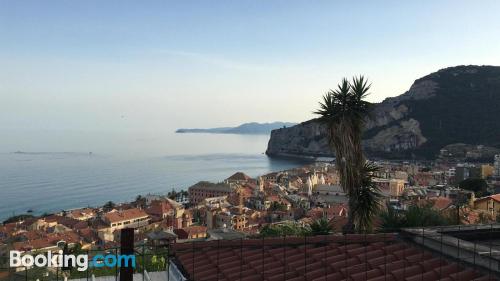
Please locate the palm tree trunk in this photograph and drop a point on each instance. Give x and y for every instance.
(349, 161)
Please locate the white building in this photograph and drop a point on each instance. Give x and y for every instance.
(496, 171)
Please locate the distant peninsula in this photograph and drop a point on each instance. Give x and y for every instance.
(252, 128)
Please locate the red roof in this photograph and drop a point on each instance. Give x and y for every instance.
(186, 232)
(124, 215)
(441, 203)
(330, 212)
(319, 258)
(495, 197)
(239, 176)
(158, 208)
(66, 221)
(50, 240)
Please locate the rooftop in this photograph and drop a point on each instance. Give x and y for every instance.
(211, 186)
(128, 214)
(239, 176)
(333, 257)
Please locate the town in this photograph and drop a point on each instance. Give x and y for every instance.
(242, 206)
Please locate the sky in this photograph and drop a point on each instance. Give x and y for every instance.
(161, 65)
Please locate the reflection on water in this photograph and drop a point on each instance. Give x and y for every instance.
(48, 182)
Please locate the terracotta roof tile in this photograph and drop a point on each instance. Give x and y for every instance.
(495, 197)
(239, 176)
(333, 257)
(127, 214)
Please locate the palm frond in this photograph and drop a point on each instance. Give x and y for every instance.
(344, 111)
(321, 227)
(368, 198)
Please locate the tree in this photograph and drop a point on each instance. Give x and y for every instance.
(392, 219)
(140, 202)
(110, 205)
(344, 111)
(485, 218)
(321, 227)
(415, 216)
(17, 218)
(284, 229)
(172, 194)
(477, 185)
(277, 206)
(367, 199)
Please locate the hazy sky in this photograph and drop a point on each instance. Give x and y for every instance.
(158, 65)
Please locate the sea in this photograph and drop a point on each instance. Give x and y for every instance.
(52, 171)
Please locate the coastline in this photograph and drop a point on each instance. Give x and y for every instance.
(47, 184)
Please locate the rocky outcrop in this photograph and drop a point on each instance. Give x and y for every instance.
(305, 139)
(438, 109)
(405, 135)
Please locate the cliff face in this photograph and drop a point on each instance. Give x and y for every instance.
(458, 104)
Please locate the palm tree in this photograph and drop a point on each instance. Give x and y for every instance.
(344, 111)
(367, 199)
(321, 227)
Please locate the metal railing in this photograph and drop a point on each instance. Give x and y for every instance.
(312, 257)
(475, 248)
(148, 259)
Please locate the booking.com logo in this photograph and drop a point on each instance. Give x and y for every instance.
(80, 262)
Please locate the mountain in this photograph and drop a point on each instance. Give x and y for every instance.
(246, 128)
(453, 105)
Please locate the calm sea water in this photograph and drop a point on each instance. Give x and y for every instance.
(52, 180)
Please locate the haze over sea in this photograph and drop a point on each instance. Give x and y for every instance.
(56, 170)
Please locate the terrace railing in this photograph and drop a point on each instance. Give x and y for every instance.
(462, 252)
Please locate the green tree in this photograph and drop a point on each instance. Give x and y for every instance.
(17, 218)
(172, 194)
(477, 185)
(415, 216)
(110, 205)
(277, 206)
(284, 229)
(140, 202)
(321, 227)
(344, 111)
(392, 219)
(367, 199)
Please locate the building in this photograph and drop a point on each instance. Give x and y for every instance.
(204, 189)
(489, 204)
(326, 189)
(49, 242)
(238, 178)
(464, 171)
(450, 174)
(232, 221)
(191, 232)
(329, 194)
(82, 214)
(496, 165)
(130, 218)
(225, 234)
(391, 187)
(487, 171)
(160, 209)
(271, 177)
